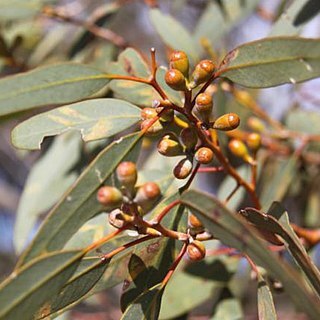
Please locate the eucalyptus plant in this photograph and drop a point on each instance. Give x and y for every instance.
(122, 181)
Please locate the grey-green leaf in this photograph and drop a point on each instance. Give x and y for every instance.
(54, 84)
(266, 308)
(233, 231)
(47, 185)
(27, 289)
(79, 204)
(272, 61)
(95, 119)
(146, 306)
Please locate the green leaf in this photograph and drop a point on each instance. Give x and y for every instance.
(276, 188)
(266, 308)
(145, 271)
(95, 119)
(272, 61)
(146, 306)
(54, 84)
(173, 33)
(228, 309)
(28, 288)
(285, 24)
(47, 185)
(303, 121)
(200, 282)
(79, 204)
(214, 23)
(234, 232)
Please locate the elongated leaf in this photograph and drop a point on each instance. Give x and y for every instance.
(228, 309)
(231, 230)
(55, 84)
(47, 185)
(79, 204)
(272, 61)
(95, 119)
(28, 288)
(285, 25)
(283, 228)
(173, 33)
(146, 306)
(266, 308)
(215, 22)
(276, 188)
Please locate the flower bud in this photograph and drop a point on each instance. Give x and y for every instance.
(183, 168)
(175, 80)
(255, 124)
(203, 107)
(227, 122)
(189, 138)
(194, 222)
(202, 73)
(204, 155)
(253, 141)
(148, 113)
(127, 175)
(119, 219)
(196, 250)
(179, 60)
(147, 195)
(170, 146)
(239, 149)
(154, 129)
(109, 196)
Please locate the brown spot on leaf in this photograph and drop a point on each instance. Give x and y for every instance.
(228, 58)
(128, 67)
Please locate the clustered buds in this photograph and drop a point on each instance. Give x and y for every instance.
(110, 197)
(147, 195)
(255, 124)
(253, 141)
(204, 155)
(175, 80)
(227, 122)
(202, 73)
(189, 138)
(179, 61)
(239, 149)
(203, 107)
(170, 146)
(196, 250)
(183, 168)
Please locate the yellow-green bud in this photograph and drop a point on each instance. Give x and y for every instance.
(175, 80)
(170, 146)
(204, 155)
(202, 73)
(189, 138)
(196, 250)
(194, 222)
(253, 141)
(183, 168)
(203, 107)
(110, 197)
(127, 174)
(227, 122)
(239, 149)
(147, 195)
(179, 60)
(256, 124)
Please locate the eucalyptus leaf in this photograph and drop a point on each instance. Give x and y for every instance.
(234, 232)
(272, 61)
(54, 84)
(47, 185)
(95, 119)
(79, 204)
(24, 292)
(228, 309)
(173, 33)
(266, 308)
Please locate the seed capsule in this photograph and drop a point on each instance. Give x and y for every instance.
(203, 107)
(227, 122)
(109, 196)
(256, 124)
(147, 195)
(148, 113)
(189, 138)
(202, 73)
(196, 251)
(127, 174)
(183, 168)
(175, 80)
(152, 130)
(253, 141)
(170, 146)
(204, 155)
(119, 219)
(179, 60)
